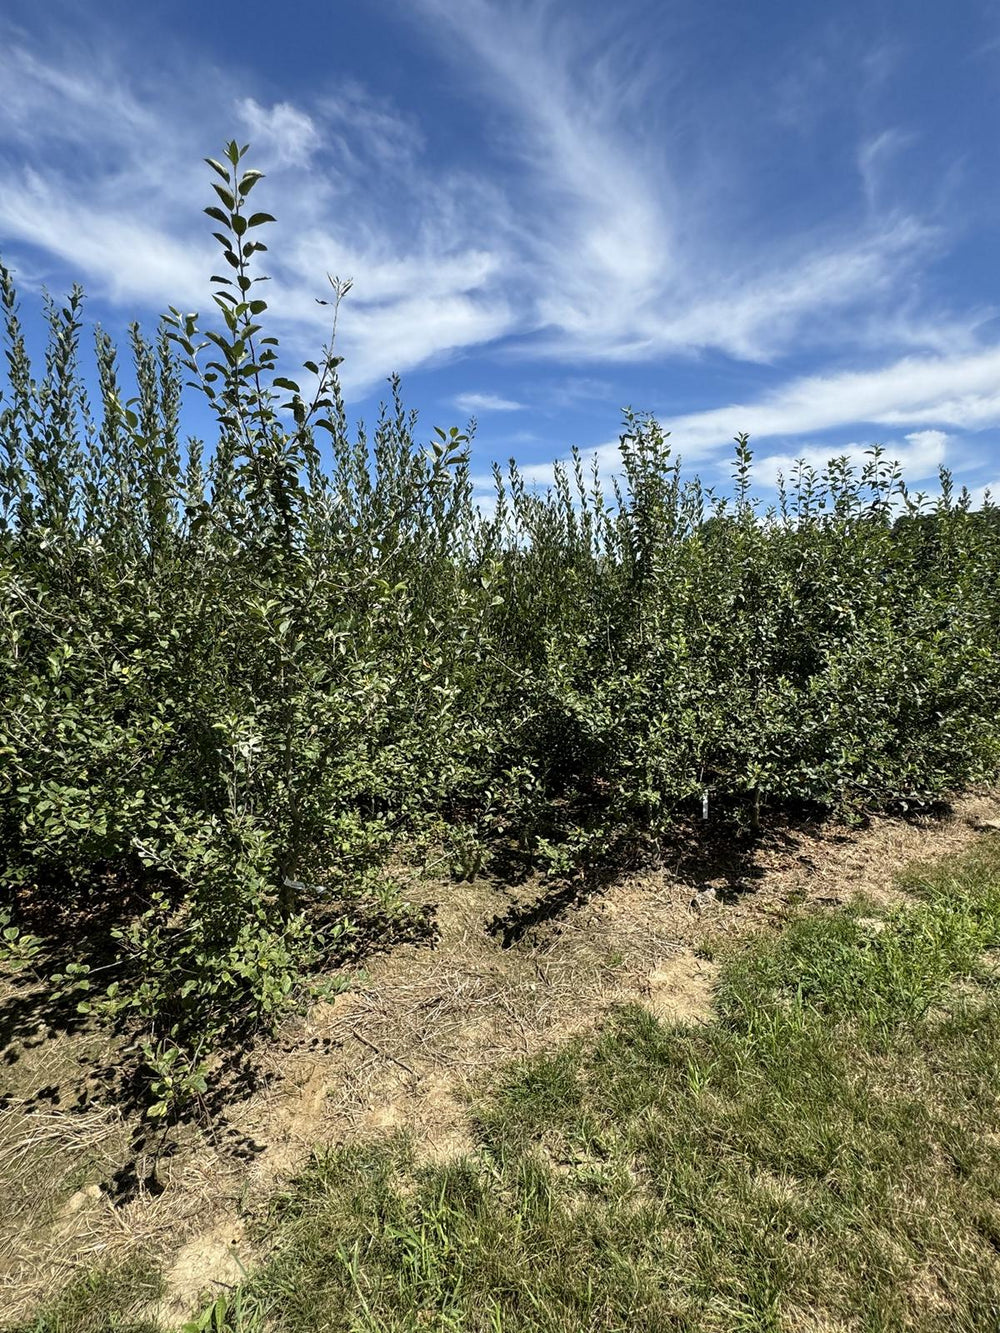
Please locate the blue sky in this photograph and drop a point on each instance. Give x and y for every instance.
(776, 218)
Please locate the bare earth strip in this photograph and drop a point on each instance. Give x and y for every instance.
(511, 972)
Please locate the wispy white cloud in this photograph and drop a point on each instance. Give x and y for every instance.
(980, 494)
(127, 257)
(926, 404)
(602, 220)
(82, 178)
(943, 392)
(573, 390)
(486, 402)
(85, 81)
(875, 157)
(919, 455)
(362, 125)
(280, 133)
(114, 202)
(630, 255)
(758, 313)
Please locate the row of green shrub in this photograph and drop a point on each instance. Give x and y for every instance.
(237, 680)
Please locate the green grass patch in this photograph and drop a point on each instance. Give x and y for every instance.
(826, 1155)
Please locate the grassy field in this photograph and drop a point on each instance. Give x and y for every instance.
(823, 1155)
